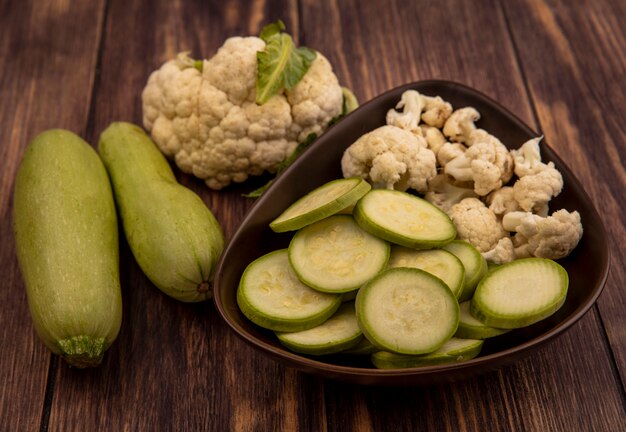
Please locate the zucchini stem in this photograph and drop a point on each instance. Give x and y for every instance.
(83, 351)
(204, 286)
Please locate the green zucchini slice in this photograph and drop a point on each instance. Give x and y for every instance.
(271, 296)
(520, 293)
(437, 262)
(404, 219)
(320, 203)
(407, 311)
(474, 263)
(338, 333)
(471, 328)
(364, 347)
(335, 255)
(454, 350)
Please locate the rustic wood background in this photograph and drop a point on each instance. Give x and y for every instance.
(558, 65)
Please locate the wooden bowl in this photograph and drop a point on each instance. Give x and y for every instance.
(587, 266)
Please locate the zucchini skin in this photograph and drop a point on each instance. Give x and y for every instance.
(66, 238)
(173, 235)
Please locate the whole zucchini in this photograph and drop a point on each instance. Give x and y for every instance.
(174, 237)
(67, 246)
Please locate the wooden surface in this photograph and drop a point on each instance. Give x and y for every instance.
(80, 65)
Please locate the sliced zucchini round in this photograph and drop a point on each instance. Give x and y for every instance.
(271, 296)
(520, 293)
(338, 333)
(454, 350)
(437, 262)
(320, 203)
(364, 347)
(335, 255)
(407, 311)
(349, 296)
(404, 219)
(471, 328)
(474, 263)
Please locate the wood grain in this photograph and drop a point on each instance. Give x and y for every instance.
(375, 46)
(39, 51)
(177, 366)
(580, 99)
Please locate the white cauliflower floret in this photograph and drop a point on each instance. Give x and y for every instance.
(233, 68)
(503, 252)
(487, 163)
(460, 124)
(449, 151)
(392, 158)
(477, 224)
(435, 111)
(551, 237)
(534, 191)
(434, 138)
(502, 201)
(315, 100)
(527, 159)
(209, 122)
(444, 195)
(411, 106)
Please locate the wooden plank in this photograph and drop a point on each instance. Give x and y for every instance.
(376, 46)
(177, 366)
(574, 57)
(39, 51)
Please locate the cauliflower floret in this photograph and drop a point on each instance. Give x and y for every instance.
(412, 105)
(534, 191)
(392, 158)
(208, 121)
(435, 111)
(460, 123)
(551, 237)
(434, 138)
(315, 100)
(233, 68)
(477, 224)
(444, 194)
(503, 252)
(449, 151)
(487, 163)
(527, 159)
(502, 201)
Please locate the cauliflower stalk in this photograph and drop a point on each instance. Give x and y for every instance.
(444, 194)
(244, 110)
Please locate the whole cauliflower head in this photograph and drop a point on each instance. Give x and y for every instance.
(392, 158)
(208, 121)
(477, 224)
